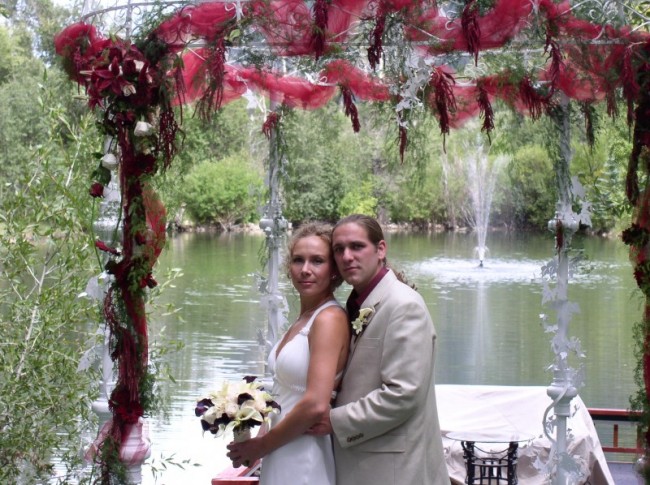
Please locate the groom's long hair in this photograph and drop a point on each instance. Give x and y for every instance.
(375, 235)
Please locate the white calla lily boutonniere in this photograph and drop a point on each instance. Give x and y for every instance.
(360, 323)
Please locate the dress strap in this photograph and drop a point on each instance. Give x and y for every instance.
(305, 330)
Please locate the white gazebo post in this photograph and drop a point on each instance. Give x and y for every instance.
(274, 226)
(107, 228)
(562, 389)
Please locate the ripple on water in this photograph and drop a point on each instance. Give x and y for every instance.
(456, 272)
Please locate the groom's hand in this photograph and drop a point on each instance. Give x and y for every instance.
(323, 427)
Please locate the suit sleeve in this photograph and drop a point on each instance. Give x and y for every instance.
(406, 371)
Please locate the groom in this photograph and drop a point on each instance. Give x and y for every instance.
(385, 420)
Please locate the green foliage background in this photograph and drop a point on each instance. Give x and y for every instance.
(46, 259)
(225, 191)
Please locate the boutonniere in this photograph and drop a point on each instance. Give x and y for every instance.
(360, 323)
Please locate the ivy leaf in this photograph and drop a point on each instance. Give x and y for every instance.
(102, 175)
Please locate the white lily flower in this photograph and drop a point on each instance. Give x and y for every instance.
(128, 89)
(109, 161)
(142, 128)
(246, 413)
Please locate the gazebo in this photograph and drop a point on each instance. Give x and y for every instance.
(441, 59)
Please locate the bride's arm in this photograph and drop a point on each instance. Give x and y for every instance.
(328, 345)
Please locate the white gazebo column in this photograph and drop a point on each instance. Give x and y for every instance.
(563, 387)
(107, 228)
(274, 226)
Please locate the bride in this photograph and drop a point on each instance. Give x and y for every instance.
(307, 364)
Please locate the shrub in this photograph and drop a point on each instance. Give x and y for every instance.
(225, 192)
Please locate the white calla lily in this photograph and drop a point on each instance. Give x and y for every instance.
(360, 323)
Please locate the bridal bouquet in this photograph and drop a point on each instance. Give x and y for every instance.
(237, 406)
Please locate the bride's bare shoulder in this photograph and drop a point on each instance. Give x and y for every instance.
(332, 314)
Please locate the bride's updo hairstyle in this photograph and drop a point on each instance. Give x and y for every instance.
(318, 229)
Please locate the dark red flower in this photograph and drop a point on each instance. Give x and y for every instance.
(145, 163)
(140, 238)
(120, 270)
(96, 190)
(150, 282)
(126, 409)
(202, 406)
(471, 28)
(376, 49)
(635, 235)
(350, 107)
(270, 124)
(403, 142)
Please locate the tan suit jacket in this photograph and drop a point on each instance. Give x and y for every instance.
(385, 419)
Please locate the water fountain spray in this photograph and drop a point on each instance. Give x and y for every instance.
(481, 177)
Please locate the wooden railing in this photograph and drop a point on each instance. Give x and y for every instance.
(615, 417)
(237, 476)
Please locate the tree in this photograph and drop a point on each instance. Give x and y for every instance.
(325, 161)
(602, 170)
(46, 260)
(24, 124)
(229, 132)
(225, 192)
(360, 201)
(41, 20)
(533, 195)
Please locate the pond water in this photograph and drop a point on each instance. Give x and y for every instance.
(487, 320)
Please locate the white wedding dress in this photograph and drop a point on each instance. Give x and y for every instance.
(307, 460)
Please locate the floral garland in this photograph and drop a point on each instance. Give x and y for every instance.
(637, 236)
(132, 86)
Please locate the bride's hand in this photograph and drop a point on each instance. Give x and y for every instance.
(246, 452)
(321, 428)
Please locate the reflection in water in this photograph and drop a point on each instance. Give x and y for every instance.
(481, 334)
(487, 321)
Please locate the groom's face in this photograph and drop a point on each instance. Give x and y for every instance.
(357, 258)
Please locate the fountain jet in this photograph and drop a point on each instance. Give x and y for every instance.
(481, 179)
(480, 252)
